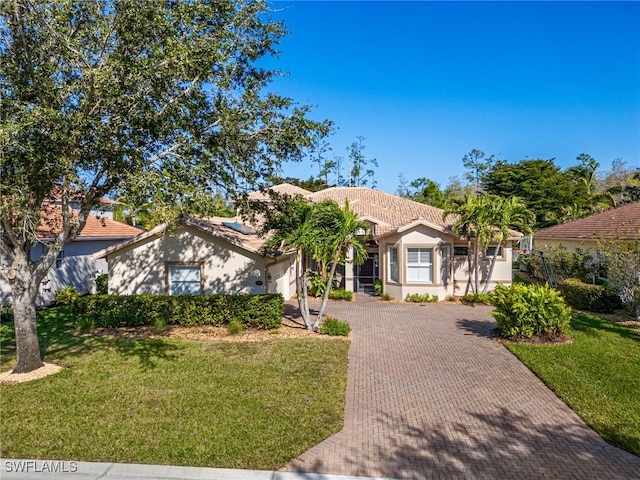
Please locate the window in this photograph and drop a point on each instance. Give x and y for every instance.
(419, 265)
(393, 265)
(491, 250)
(460, 251)
(60, 258)
(185, 280)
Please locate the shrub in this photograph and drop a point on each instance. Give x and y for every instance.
(261, 311)
(67, 295)
(334, 327)
(593, 298)
(385, 297)
(102, 284)
(527, 310)
(484, 298)
(317, 286)
(84, 323)
(377, 287)
(421, 298)
(340, 294)
(160, 324)
(235, 327)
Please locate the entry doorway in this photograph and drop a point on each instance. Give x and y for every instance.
(366, 274)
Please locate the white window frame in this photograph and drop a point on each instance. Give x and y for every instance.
(197, 267)
(421, 265)
(391, 264)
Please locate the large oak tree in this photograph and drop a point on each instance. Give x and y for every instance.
(162, 98)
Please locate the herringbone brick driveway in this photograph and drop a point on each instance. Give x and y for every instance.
(431, 396)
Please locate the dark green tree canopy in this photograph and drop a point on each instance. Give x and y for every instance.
(158, 101)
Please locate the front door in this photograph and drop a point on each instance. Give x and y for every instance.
(367, 273)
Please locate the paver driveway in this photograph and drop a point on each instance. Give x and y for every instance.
(430, 395)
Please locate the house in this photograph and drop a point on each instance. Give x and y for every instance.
(75, 264)
(198, 255)
(411, 250)
(621, 223)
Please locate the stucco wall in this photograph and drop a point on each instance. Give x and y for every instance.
(281, 277)
(546, 243)
(141, 268)
(455, 282)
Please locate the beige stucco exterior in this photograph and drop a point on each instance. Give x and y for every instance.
(143, 267)
(569, 244)
(449, 275)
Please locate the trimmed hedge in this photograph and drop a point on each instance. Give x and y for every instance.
(527, 310)
(261, 311)
(592, 298)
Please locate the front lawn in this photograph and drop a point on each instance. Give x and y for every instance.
(172, 401)
(598, 376)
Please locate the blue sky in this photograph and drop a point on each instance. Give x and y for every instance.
(426, 82)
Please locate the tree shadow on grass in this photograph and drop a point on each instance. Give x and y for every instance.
(480, 445)
(593, 325)
(59, 340)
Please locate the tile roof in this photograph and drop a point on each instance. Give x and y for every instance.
(283, 189)
(51, 221)
(621, 223)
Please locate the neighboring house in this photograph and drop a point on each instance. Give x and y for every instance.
(411, 250)
(621, 223)
(198, 256)
(75, 265)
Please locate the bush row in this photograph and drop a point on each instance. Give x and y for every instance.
(593, 298)
(421, 298)
(262, 311)
(527, 310)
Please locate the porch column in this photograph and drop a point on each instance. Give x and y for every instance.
(348, 272)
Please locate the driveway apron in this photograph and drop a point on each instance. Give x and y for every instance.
(430, 395)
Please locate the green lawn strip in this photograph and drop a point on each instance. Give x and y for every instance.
(598, 376)
(170, 401)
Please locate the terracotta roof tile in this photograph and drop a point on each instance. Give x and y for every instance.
(283, 189)
(622, 223)
(51, 222)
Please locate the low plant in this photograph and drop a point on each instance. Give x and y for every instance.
(421, 298)
(483, 298)
(592, 298)
(160, 324)
(102, 284)
(450, 298)
(377, 287)
(235, 327)
(528, 310)
(84, 324)
(67, 295)
(385, 297)
(334, 327)
(340, 294)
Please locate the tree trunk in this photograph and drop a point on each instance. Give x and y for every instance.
(469, 268)
(327, 291)
(301, 293)
(493, 264)
(24, 290)
(476, 264)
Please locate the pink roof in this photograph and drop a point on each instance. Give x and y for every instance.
(51, 222)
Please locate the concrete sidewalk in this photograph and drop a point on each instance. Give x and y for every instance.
(14, 469)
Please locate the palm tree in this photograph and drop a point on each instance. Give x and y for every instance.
(323, 230)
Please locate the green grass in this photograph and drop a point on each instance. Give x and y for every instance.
(598, 376)
(172, 401)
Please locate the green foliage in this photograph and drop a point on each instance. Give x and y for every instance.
(102, 284)
(483, 298)
(385, 297)
(84, 323)
(593, 298)
(235, 327)
(360, 175)
(6, 312)
(377, 287)
(543, 187)
(67, 295)
(527, 310)
(421, 298)
(317, 285)
(261, 311)
(334, 327)
(340, 294)
(426, 191)
(623, 271)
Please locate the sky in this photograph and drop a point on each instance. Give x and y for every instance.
(426, 82)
